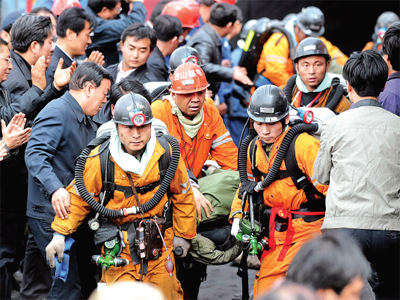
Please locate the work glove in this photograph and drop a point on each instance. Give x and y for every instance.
(56, 246)
(181, 246)
(235, 227)
(247, 186)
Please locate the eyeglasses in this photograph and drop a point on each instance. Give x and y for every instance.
(9, 60)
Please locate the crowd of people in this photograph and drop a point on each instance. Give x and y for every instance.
(136, 150)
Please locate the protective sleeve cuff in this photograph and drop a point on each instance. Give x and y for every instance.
(191, 176)
(194, 184)
(56, 233)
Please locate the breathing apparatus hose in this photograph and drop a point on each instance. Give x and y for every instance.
(337, 96)
(97, 207)
(272, 174)
(242, 157)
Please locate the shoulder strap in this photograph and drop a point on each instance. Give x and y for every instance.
(255, 171)
(166, 157)
(107, 172)
(301, 181)
(289, 88)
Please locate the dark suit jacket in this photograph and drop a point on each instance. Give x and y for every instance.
(143, 74)
(157, 66)
(28, 99)
(108, 32)
(19, 81)
(208, 44)
(60, 132)
(57, 54)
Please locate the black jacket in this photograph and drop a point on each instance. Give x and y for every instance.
(57, 54)
(156, 64)
(143, 74)
(19, 81)
(108, 32)
(13, 172)
(207, 42)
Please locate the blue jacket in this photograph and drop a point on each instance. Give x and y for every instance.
(390, 97)
(60, 132)
(108, 32)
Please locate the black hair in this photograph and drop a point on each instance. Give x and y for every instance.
(223, 13)
(88, 72)
(8, 28)
(239, 14)
(125, 86)
(366, 72)
(73, 18)
(97, 5)
(207, 2)
(3, 42)
(391, 45)
(330, 261)
(42, 9)
(158, 9)
(30, 28)
(167, 27)
(140, 31)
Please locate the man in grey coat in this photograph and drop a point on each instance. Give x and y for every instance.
(359, 159)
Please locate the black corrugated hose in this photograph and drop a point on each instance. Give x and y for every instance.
(272, 174)
(97, 207)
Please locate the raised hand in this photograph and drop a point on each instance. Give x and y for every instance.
(14, 134)
(97, 57)
(63, 76)
(38, 72)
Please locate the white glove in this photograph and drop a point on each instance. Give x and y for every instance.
(235, 227)
(56, 246)
(183, 244)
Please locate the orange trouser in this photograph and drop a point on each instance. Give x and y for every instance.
(271, 269)
(169, 285)
(157, 274)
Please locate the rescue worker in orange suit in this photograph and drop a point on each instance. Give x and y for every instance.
(135, 151)
(384, 21)
(275, 64)
(312, 86)
(200, 130)
(269, 113)
(196, 124)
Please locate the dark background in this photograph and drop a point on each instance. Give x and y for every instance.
(348, 24)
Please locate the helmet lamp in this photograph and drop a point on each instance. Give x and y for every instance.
(138, 119)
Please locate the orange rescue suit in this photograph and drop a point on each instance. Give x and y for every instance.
(343, 105)
(283, 194)
(213, 138)
(275, 63)
(184, 217)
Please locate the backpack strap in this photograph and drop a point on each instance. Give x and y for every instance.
(301, 181)
(166, 157)
(254, 170)
(107, 172)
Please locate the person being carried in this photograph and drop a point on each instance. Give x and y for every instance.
(200, 130)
